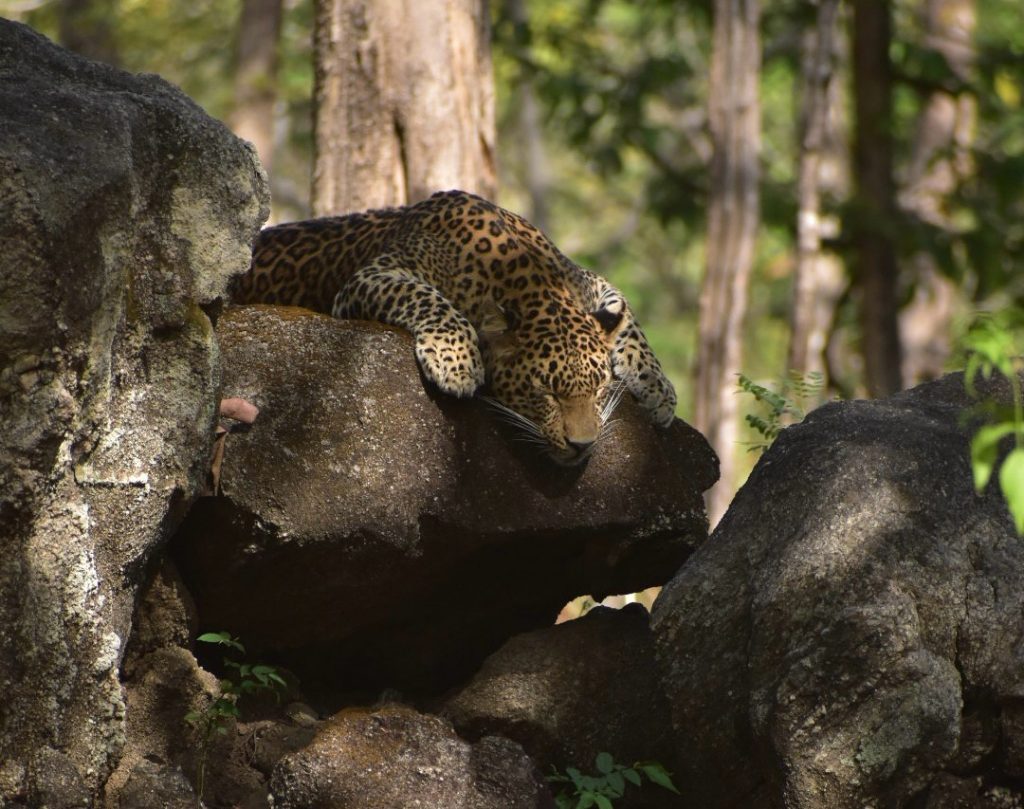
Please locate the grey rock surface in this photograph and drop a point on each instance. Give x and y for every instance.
(124, 210)
(852, 630)
(569, 692)
(394, 756)
(376, 531)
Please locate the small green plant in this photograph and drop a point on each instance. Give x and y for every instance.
(582, 791)
(782, 408)
(216, 718)
(994, 345)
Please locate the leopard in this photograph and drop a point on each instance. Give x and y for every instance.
(494, 309)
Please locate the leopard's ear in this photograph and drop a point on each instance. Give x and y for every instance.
(610, 316)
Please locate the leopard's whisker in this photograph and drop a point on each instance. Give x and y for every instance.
(614, 397)
(608, 428)
(516, 419)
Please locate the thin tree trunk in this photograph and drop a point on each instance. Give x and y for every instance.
(818, 279)
(404, 102)
(877, 270)
(733, 219)
(536, 171)
(259, 30)
(86, 27)
(939, 162)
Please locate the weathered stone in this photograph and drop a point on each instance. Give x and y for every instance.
(569, 692)
(124, 210)
(55, 782)
(165, 616)
(379, 533)
(394, 756)
(166, 686)
(153, 785)
(853, 628)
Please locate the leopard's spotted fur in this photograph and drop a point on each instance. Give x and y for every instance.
(489, 299)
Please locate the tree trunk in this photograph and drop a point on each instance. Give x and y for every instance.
(733, 219)
(86, 27)
(939, 162)
(536, 172)
(876, 266)
(259, 30)
(404, 102)
(818, 280)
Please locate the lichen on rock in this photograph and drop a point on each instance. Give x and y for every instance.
(124, 210)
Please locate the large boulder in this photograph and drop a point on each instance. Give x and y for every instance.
(851, 635)
(373, 532)
(393, 757)
(124, 210)
(569, 692)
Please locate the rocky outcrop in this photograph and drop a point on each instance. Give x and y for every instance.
(851, 635)
(374, 533)
(393, 756)
(569, 692)
(124, 209)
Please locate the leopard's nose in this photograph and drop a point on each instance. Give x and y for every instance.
(580, 447)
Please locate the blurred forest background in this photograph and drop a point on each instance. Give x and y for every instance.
(878, 202)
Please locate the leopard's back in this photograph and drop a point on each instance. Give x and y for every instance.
(306, 263)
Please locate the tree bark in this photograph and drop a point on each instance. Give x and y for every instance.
(404, 102)
(536, 172)
(733, 219)
(939, 162)
(818, 279)
(256, 59)
(877, 270)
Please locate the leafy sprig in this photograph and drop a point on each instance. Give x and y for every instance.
(780, 408)
(582, 791)
(994, 345)
(216, 718)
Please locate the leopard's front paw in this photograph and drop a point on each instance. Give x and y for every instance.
(457, 369)
(655, 394)
(662, 407)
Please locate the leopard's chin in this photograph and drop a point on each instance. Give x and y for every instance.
(569, 456)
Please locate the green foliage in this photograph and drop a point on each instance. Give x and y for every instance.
(217, 717)
(994, 345)
(780, 409)
(582, 791)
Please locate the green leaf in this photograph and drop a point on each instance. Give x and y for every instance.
(586, 800)
(985, 451)
(605, 763)
(970, 372)
(616, 784)
(277, 678)
(223, 639)
(659, 775)
(602, 802)
(1011, 480)
(632, 776)
(590, 783)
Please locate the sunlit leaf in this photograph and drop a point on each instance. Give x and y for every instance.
(659, 775)
(985, 451)
(1011, 481)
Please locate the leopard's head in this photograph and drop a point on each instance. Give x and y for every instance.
(550, 372)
